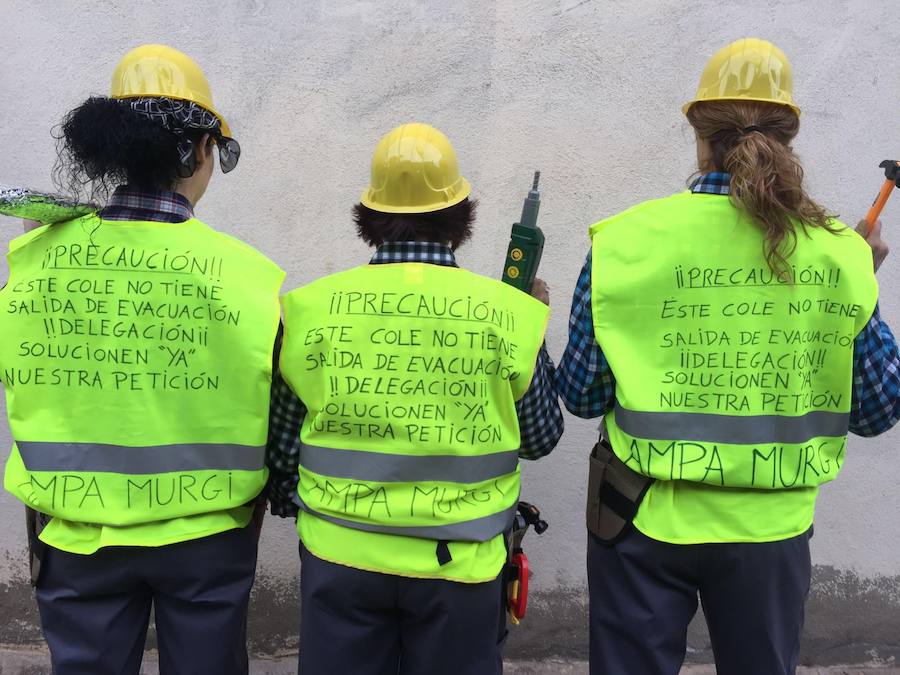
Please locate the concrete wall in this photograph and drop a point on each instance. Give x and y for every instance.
(587, 91)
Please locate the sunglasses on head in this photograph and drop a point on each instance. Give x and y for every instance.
(229, 152)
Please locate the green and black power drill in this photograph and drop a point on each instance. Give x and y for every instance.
(526, 243)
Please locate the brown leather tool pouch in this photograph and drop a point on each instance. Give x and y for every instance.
(615, 492)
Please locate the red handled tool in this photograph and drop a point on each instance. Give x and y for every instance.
(518, 587)
(891, 180)
(517, 571)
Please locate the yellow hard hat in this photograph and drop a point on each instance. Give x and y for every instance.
(157, 70)
(414, 170)
(747, 70)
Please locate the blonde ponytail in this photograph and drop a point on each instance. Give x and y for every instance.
(751, 141)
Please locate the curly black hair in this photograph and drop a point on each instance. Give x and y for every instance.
(102, 144)
(453, 224)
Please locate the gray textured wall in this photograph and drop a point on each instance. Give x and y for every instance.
(587, 91)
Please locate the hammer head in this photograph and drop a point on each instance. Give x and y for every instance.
(891, 170)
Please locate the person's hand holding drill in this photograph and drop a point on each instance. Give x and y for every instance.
(541, 291)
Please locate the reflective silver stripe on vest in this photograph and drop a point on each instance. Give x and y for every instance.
(98, 457)
(389, 468)
(740, 430)
(480, 529)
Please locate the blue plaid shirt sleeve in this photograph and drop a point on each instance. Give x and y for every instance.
(876, 379)
(584, 380)
(541, 421)
(286, 415)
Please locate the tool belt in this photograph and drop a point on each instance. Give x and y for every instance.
(615, 492)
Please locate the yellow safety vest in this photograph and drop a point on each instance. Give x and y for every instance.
(137, 363)
(733, 388)
(410, 373)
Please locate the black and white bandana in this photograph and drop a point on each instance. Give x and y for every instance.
(177, 115)
(174, 114)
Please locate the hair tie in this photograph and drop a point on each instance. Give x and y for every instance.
(750, 129)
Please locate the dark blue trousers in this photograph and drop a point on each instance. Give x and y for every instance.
(644, 594)
(95, 608)
(354, 622)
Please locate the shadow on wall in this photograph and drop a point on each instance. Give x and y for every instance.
(850, 620)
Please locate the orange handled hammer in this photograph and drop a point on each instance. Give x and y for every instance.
(891, 180)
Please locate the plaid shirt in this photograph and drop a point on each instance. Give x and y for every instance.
(161, 206)
(540, 418)
(587, 385)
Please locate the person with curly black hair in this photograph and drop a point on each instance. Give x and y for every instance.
(137, 364)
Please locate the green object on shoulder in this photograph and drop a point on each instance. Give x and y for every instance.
(43, 208)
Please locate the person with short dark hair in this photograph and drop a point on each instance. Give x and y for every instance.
(137, 367)
(452, 225)
(411, 388)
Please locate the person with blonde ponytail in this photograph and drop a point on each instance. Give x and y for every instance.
(730, 337)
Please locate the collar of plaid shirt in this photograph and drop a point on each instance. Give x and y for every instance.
(162, 206)
(713, 183)
(414, 251)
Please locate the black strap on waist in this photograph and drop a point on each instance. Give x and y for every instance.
(443, 553)
(617, 502)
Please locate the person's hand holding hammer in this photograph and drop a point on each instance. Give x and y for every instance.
(880, 249)
(870, 227)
